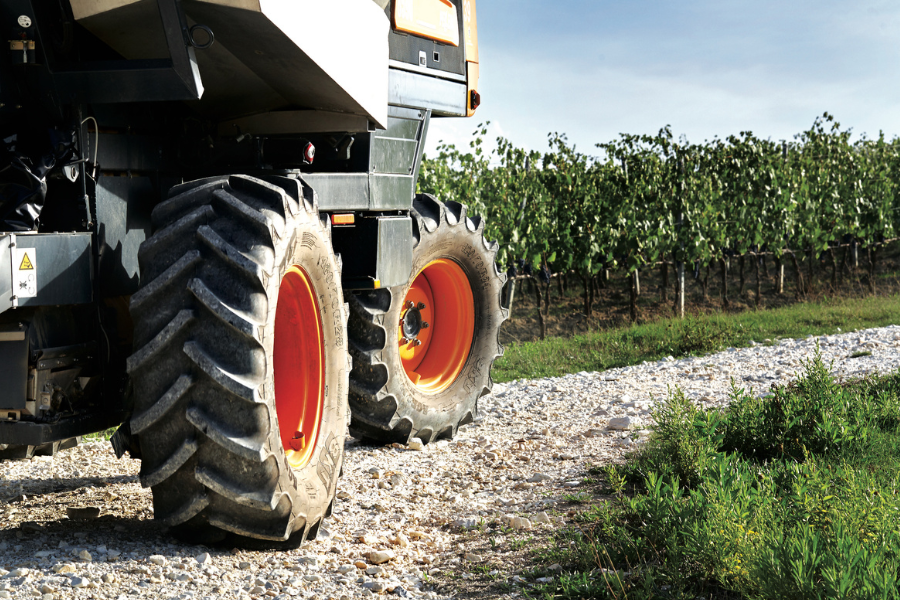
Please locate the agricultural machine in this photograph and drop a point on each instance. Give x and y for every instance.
(210, 238)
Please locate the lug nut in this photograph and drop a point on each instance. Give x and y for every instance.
(410, 304)
(404, 340)
(421, 305)
(418, 342)
(424, 324)
(298, 442)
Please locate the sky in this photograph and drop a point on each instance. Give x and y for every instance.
(593, 69)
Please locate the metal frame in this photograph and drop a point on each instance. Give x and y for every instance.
(117, 81)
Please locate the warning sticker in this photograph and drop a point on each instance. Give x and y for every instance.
(24, 272)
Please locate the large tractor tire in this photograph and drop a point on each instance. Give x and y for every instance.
(423, 352)
(241, 365)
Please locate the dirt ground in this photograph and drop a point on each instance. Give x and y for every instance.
(611, 300)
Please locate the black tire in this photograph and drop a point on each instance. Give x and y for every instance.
(384, 404)
(203, 379)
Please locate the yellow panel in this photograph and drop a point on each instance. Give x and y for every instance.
(433, 19)
(470, 30)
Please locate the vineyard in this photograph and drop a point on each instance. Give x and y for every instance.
(657, 203)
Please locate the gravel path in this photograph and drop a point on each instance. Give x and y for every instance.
(454, 519)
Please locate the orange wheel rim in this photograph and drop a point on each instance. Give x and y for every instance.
(298, 361)
(437, 325)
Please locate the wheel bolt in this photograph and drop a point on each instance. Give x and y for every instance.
(404, 340)
(424, 324)
(421, 305)
(410, 304)
(418, 342)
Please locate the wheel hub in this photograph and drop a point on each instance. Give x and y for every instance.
(412, 322)
(437, 326)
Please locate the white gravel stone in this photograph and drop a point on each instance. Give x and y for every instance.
(415, 444)
(624, 423)
(542, 518)
(378, 557)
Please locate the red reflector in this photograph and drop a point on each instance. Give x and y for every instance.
(309, 153)
(347, 219)
(475, 100)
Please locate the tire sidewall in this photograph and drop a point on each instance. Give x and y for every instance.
(464, 247)
(314, 485)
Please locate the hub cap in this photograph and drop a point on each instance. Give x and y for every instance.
(299, 366)
(437, 325)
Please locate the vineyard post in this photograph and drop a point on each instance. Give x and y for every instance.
(756, 259)
(812, 256)
(779, 285)
(664, 288)
(510, 290)
(724, 263)
(800, 286)
(632, 303)
(872, 252)
(833, 269)
(537, 298)
(779, 281)
(679, 264)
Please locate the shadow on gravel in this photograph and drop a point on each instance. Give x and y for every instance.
(111, 525)
(38, 487)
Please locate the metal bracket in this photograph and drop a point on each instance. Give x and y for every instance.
(14, 300)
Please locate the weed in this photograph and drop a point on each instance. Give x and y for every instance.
(860, 354)
(577, 497)
(517, 544)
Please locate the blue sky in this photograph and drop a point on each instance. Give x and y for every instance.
(594, 69)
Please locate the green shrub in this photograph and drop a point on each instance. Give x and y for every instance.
(795, 495)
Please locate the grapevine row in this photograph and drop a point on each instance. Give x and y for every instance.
(646, 200)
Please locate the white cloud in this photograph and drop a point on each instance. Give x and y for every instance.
(705, 68)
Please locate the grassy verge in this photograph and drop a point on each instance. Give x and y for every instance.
(790, 496)
(693, 335)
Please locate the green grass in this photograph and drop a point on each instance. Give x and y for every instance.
(692, 336)
(794, 496)
(100, 436)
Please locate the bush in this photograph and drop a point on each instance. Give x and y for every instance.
(794, 496)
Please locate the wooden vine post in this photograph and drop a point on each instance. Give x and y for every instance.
(679, 263)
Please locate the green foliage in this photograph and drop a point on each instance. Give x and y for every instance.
(647, 198)
(794, 495)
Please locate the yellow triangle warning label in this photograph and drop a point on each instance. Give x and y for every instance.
(26, 264)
